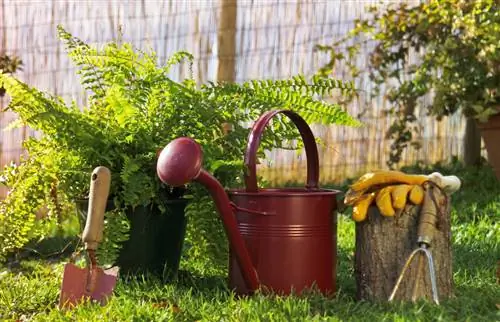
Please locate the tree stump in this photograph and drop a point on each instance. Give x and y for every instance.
(383, 245)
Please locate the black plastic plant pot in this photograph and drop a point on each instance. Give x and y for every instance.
(155, 240)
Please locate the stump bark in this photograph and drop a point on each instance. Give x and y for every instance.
(383, 245)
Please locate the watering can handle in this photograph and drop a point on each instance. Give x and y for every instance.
(254, 141)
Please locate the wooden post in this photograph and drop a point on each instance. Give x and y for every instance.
(382, 247)
(2, 27)
(226, 44)
(226, 41)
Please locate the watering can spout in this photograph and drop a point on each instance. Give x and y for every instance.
(179, 163)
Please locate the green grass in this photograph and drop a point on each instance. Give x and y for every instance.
(30, 289)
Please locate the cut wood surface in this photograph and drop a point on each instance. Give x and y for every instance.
(383, 245)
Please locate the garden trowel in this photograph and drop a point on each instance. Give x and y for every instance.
(92, 282)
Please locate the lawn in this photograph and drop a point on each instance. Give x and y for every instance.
(29, 289)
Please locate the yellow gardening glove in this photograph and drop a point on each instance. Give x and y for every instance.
(360, 209)
(384, 201)
(373, 181)
(388, 199)
(389, 177)
(389, 189)
(400, 195)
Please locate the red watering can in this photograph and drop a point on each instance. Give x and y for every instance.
(281, 240)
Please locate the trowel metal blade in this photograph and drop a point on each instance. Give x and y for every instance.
(74, 285)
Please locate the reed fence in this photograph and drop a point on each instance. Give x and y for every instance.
(273, 39)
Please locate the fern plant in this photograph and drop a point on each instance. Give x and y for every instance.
(133, 110)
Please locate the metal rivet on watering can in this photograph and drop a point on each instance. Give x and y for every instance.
(282, 240)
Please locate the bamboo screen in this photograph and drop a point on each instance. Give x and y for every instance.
(274, 39)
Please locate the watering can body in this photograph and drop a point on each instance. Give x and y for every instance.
(281, 240)
(290, 235)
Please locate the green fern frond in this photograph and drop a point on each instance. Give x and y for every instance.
(295, 94)
(48, 114)
(316, 86)
(178, 58)
(116, 233)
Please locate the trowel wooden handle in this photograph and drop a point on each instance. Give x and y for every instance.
(428, 216)
(98, 197)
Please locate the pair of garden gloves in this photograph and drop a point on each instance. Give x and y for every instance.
(391, 191)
